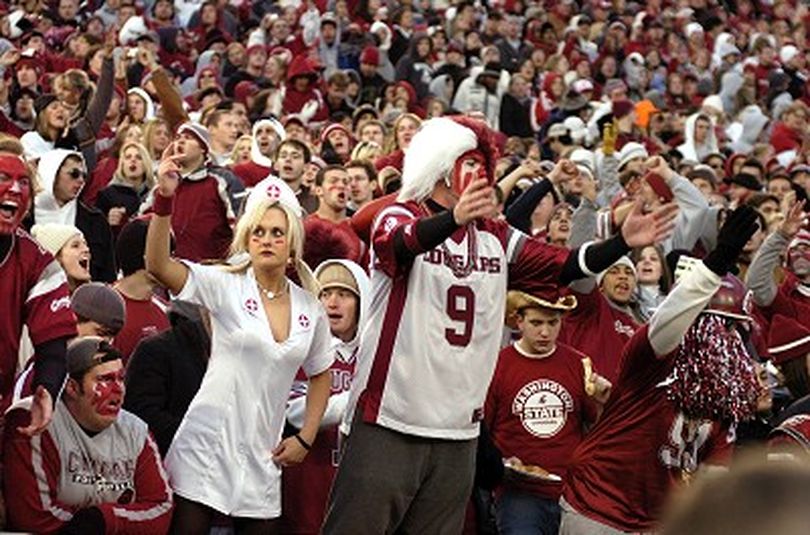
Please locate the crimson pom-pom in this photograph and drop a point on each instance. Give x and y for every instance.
(713, 377)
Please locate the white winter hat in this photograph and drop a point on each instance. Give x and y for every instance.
(576, 128)
(623, 261)
(631, 150)
(583, 157)
(787, 53)
(693, 28)
(54, 236)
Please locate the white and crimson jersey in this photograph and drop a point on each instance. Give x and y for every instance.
(33, 292)
(50, 476)
(431, 343)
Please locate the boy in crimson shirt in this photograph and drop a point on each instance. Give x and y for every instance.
(655, 431)
(537, 409)
(146, 313)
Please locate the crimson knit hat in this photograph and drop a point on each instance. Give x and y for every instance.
(622, 108)
(789, 339)
(370, 56)
(331, 128)
(659, 186)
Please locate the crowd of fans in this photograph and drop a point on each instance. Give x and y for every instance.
(160, 160)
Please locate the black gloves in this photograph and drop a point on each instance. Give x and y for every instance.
(86, 521)
(740, 225)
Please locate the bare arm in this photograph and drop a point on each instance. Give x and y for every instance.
(292, 450)
(169, 272)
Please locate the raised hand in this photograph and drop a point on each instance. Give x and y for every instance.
(477, 201)
(738, 228)
(168, 175)
(640, 230)
(609, 136)
(659, 166)
(795, 219)
(564, 171)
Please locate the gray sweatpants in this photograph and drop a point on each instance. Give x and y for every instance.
(390, 482)
(575, 523)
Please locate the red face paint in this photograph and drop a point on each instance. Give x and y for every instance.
(461, 178)
(15, 192)
(799, 260)
(108, 393)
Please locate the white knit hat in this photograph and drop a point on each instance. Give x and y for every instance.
(54, 236)
(787, 53)
(623, 261)
(631, 150)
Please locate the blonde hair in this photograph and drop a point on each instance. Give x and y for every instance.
(235, 152)
(366, 150)
(295, 236)
(148, 171)
(149, 128)
(393, 145)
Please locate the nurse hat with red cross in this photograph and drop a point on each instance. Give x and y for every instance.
(275, 190)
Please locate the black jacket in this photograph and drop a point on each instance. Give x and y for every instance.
(120, 195)
(514, 119)
(96, 230)
(164, 374)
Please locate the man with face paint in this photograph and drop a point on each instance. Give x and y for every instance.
(791, 298)
(96, 469)
(441, 263)
(33, 292)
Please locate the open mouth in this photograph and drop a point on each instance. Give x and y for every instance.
(287, 168)
(623, 288)
(84, 263)
(335, 317)
(341, 197)
(8, 209)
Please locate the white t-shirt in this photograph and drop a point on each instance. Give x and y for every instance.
(221, 454)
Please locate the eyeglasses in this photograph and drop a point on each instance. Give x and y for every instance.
(77, 173)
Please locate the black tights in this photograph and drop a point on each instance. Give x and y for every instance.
(194, 518)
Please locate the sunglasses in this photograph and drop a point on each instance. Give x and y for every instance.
(76, 173)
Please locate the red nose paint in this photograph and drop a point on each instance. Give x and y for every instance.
(109, 388)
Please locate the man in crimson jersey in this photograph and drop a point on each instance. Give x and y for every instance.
(686, 377)
(542, 397)
(440, 267)
(33, 292)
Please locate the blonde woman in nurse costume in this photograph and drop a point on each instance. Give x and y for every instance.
(228, 454)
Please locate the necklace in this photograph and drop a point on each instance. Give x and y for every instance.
(273, 295)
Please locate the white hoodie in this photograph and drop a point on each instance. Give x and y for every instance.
(46, 207)
(689, 149)
(344, 352)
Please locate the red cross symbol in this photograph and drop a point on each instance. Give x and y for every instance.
(303, 321)
(251, 305)
(274, 192)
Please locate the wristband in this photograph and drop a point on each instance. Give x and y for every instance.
(162, 205)
(302, 442)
